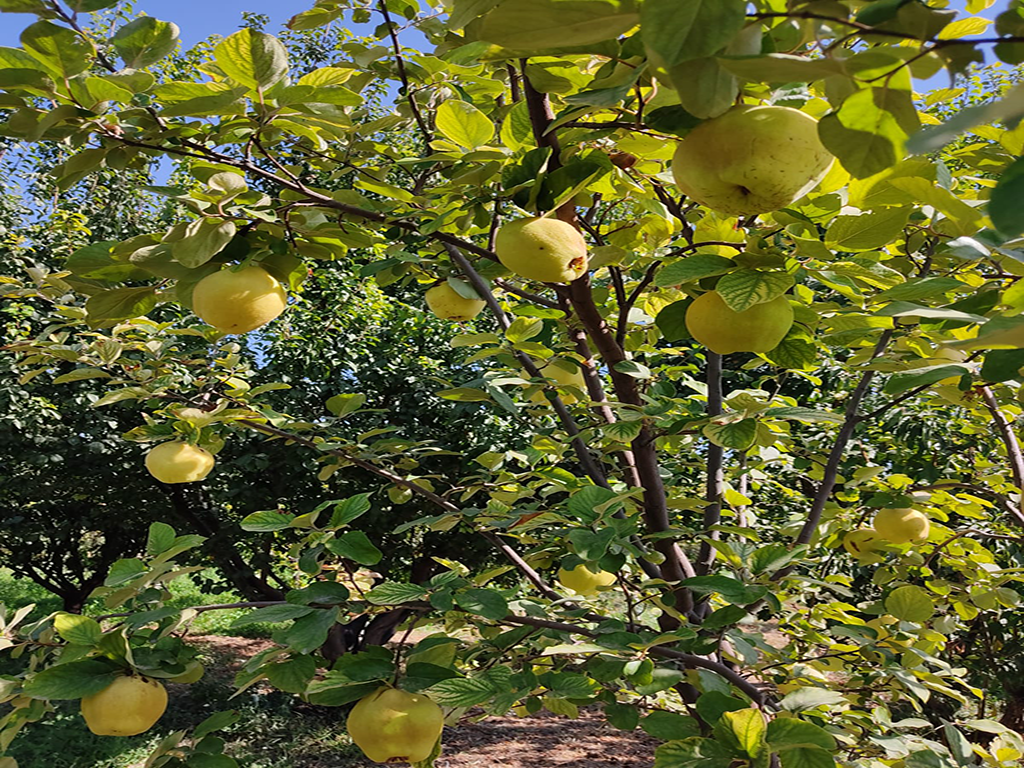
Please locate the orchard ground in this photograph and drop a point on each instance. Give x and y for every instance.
(283, 732)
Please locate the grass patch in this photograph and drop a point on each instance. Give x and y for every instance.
(185, 592)
(276, 730)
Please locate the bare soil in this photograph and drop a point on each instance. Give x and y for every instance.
(548, 740)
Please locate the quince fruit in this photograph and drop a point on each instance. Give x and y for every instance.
(547, 250)
(448, 304)
(721, 329)
(751, 159)
(178, 462)
(584, 581)
(390, 725)
(126, 707)
(901, 526)
(238, 301)
(863, 545)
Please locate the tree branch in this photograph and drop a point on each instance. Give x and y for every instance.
(533, 298)
(1009, 439)
(715, 478)
(583, 454)
(527, 570)
(828, 481)
(676, 565)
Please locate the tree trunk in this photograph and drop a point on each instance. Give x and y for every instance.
(193, 510)
(1013, 715)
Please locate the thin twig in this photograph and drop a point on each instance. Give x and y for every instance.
(403, 76)
(715, 480)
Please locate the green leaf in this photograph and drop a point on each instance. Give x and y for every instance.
(488, 603)
(395, 593)
(668, 726)
(733, 434)
(692, 268)
(899, 383)
(272, 614)
(461, 692)
(310, 632)
(661, 680)
(1002, 365)
(748, 727)
(744, 288)
(671, 321)
(731, 590)
(806, 415)
(682, 30)
(910, 603)
(350, 509)
(341, 405)
(76, 629)
(215, 722)
(266, 521)
(705, 88)
(73, 680)
(200, 240)
(199, 99)
(319, 593)
(523, 329)
(713, 704)
(61, 51)
(123, 571)
(356, 545)
(374, 663)
(253, 59)
(464, 395)
(81, 374)
(807, 757)
(145, 41)
(961, 748)
(788, 732)
(921, 288)
(420, 675)
(592, 545)
(1004, 205)
(537, 25)
(863, 135)
(161, 538)
(110, 307)
(464, 124)
(95, 262)
(867, 231)
(88, 6)
(803, 699)
(23, 6)
(330, 692)
(633, 369)
(292, 676)
(625, 717)
(694, 752)
(780, 68)
(128, 393)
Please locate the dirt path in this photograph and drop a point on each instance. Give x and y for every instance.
(512, 742)
(497, 742)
